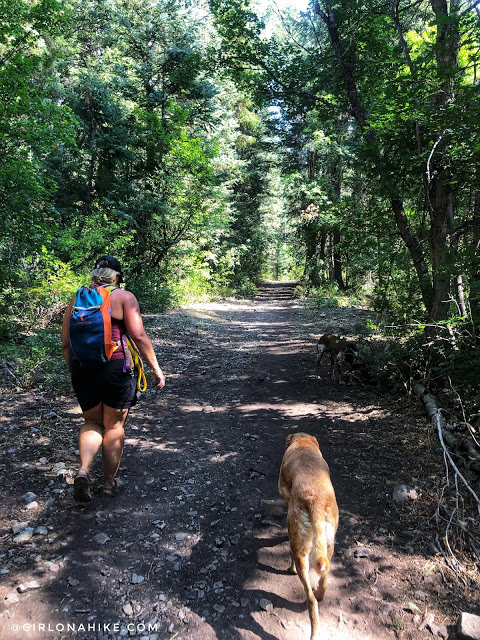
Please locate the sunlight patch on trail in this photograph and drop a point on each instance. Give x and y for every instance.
(294, 409)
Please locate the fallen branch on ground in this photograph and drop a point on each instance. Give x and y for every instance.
(449, 442)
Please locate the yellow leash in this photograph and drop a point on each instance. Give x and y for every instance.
(138, 366)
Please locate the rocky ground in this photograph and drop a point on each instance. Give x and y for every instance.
(195, 546)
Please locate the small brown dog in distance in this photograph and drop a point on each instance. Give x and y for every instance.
(338, 350)
(312, 516)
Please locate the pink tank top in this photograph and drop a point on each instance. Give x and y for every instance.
(118, 329)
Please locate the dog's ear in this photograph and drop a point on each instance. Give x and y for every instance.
(315, 441)
(289, 439)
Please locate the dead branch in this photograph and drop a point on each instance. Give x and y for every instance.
(450, 459)
(454, 524)
(448, 563)
(430, 158)
(432, 409)
(5, 368)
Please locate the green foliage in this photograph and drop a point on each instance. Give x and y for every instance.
(35, 361)
(447, 366)
(32, 124)
(323, 298)
(396, 294)
(329, 296)
(153, 296)
(209, 149)
(240, 30)
(43, 289)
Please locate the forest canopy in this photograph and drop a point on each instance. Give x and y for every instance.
(211, 144)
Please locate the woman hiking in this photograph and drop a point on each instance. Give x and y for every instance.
(106, 393)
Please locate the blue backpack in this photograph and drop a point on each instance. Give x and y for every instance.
(91, 326)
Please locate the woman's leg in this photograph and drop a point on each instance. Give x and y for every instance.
(91, 434)
(113, 440)
(89, 441)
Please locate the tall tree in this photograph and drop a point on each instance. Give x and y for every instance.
(391, 148)
(393, 71)
(32, 124)
(135, 79)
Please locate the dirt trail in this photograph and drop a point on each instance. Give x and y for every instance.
(195, 547)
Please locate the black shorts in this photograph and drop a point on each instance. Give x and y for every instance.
(108, 384)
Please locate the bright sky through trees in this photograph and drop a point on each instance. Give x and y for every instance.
(300, 5)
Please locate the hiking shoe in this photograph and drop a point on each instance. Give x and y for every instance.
(81, 489)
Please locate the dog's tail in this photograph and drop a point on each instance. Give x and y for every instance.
(320, 561)
(323, 541)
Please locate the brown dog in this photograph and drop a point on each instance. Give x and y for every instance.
(339, 350)
(312, 516)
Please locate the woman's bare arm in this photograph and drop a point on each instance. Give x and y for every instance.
(134, 326)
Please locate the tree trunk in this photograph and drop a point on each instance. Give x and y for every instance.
(311, 264)
(438, 195)
(437, 184)
(415, 251)
(337, 260)
(359, 113)
(438, 189)
(323, 251)
(336, 236)
(92, 145)
(457, 285)
(457, 282)
(346, 65)
(474, 297)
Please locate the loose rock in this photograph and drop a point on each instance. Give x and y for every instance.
(468, 626)
(427, 620)
(403, 494)
(181, 536)
(27, 586)
(40, 531)
(59, 468)
(266, 605)
(24, 536)
(11, 598)
(20, 526)
(363, 552)
(101, 538)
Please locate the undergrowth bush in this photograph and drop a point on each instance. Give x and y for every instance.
(38, 302)
(447, 365)
(245, 288)
(35, 361)
(396, 352)
(194, 285)
(153, 297)
(328, 296)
